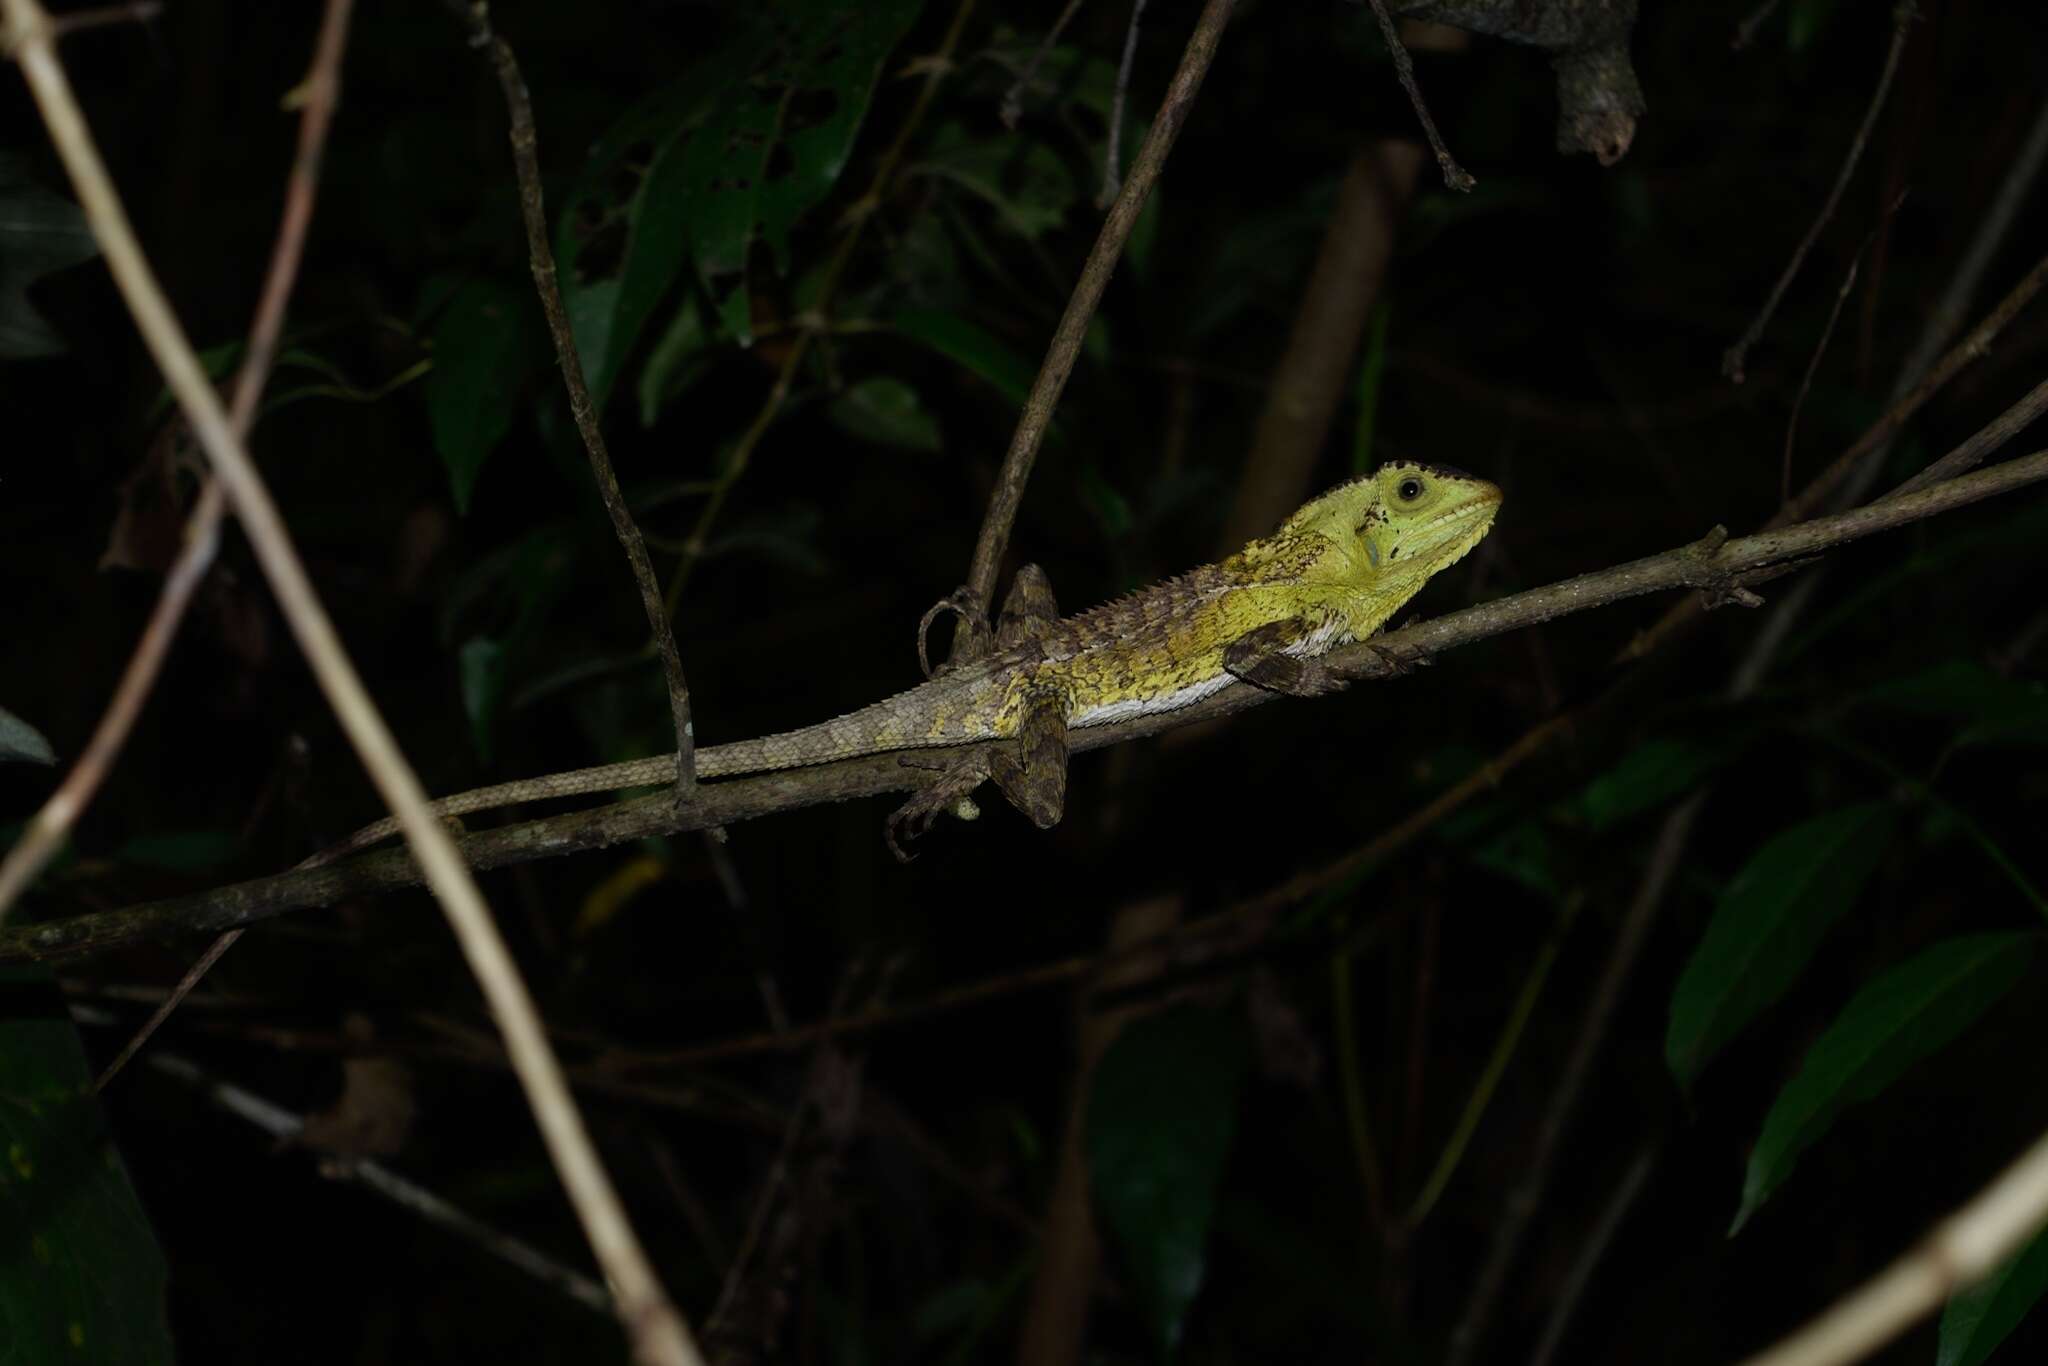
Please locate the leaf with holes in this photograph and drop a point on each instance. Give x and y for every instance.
(1768, 924)
(85, 1278)
(739, 147)
(1892, 1023)
(1162, 1110)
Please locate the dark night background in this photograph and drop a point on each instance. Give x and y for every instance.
(1559, 330)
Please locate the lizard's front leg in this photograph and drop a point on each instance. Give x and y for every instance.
(1259, 658)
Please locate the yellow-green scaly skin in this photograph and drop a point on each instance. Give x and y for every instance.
(1334, 573)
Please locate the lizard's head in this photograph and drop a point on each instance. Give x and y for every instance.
(1405, 521)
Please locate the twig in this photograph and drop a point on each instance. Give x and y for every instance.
(1013, 99)
(64, 25)
(171, 1002)
(1496, 1066)
(656, 1330)
(1745, 32)
(730, 801)
(281, 1123)
(541, 258)
(1527, 1197)
(1626, 1192)
(1456, 177)
(935, 68)
(45, 832)
(1961, 1249)
(975, 597)
(1903, 15)
(1112, 160)
(1820, 349)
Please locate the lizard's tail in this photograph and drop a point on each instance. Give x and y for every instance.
(901, 722)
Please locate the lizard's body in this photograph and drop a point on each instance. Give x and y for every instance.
(1337, 570)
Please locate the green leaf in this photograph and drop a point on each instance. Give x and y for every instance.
(741, 145)
(86, 1278)
(1768, 924)
(1161, 1113)
(482, 356)
(1027, 183)
(887, 412)
(1805, 22)
(1989, 706)
(971, 346)
(1893, 1022)
(1979, 1318)
(1648, 776)
(22, 743)
(40, 232)
(677, 361)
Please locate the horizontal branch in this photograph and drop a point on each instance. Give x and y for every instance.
(1718, 565)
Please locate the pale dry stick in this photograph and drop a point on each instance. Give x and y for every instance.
(973, 599)
(1903, 15)
(1827, 334)
(45, 831)
(316, 97)
(1112, 157)
(284, 1125)
(657, 1332)
(1456, 177)
(1962, 1248)
(541, 258)
(1712, 564)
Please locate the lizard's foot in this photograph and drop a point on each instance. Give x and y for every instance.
(951, 790)
(959, 603)
(1259, 657)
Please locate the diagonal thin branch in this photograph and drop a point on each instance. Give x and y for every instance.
(1714, 564)
(976, 596)
(656, 1330)
(45, 832)
(1903, 15)
(532, 209)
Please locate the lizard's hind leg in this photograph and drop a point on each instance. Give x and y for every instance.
(1259, 657)
(1028, 609)
(1034, 777)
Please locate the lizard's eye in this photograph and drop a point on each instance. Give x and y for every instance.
(1409, 489)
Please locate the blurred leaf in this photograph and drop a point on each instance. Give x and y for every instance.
(1145, 232)
(1989, 706)
(1523, 853)
(1371, 371)
(1648, 776)
(887, 412)
(1161, 1113)
(482, 356)
(602, 904)
(678, 360)
(742, 144)
(86, 1278)
(1893, 1022)
(971, 346)
(22, 743)
(1027, 183)
(787, 537)
(1768, 924)
(1979, 1318)
(1805, 21)
(181, 851)
(1112, 510)
(40, 233)
(481, 663)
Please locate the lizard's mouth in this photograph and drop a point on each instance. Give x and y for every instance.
(1447, 538)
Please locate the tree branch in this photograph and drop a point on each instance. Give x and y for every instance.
(1718, 565)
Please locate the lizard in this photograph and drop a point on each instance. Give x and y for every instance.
(1333, 573)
